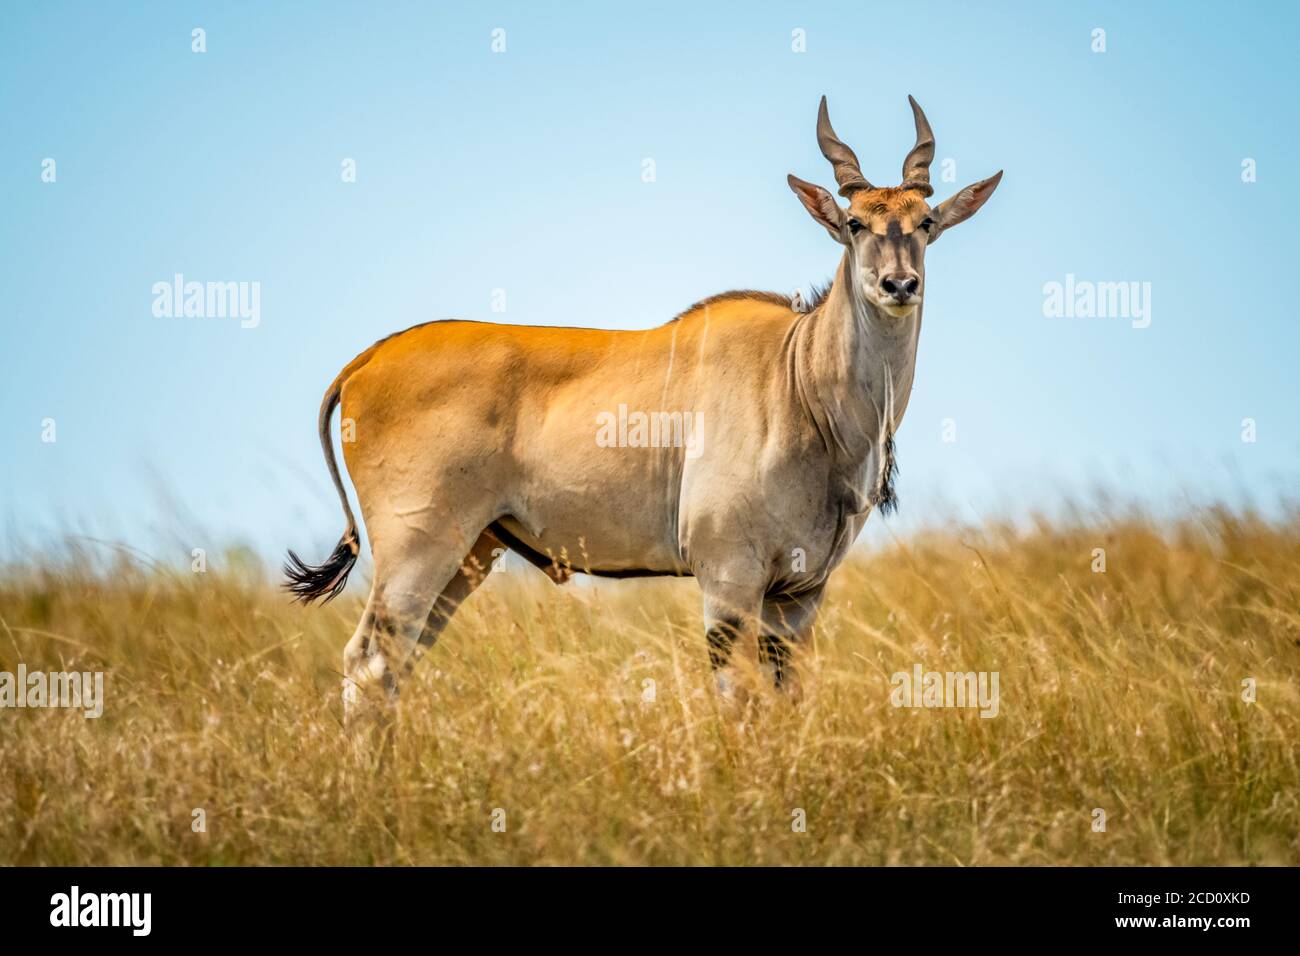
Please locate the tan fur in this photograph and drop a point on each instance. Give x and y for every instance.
(461, 406)
(877, 208)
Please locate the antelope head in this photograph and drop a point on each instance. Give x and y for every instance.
(886, 229)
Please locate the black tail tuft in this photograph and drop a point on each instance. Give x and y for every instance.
(324, 581)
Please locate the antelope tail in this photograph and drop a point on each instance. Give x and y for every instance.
(325, 581)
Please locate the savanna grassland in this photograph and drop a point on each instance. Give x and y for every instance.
(1120, 690)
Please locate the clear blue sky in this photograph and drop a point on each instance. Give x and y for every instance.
(522, 171)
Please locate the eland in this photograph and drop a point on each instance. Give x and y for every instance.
(743, 443)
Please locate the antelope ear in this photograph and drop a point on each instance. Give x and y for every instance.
(821, 205)
(957, 209)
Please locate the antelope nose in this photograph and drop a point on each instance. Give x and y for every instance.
(901, 285)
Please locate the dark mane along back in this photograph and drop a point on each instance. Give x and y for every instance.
(817, 295)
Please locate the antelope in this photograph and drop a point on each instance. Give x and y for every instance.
(473, 438)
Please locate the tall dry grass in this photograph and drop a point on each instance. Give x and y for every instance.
(1119, 690)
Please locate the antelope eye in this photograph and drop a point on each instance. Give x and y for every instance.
(854, 226)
